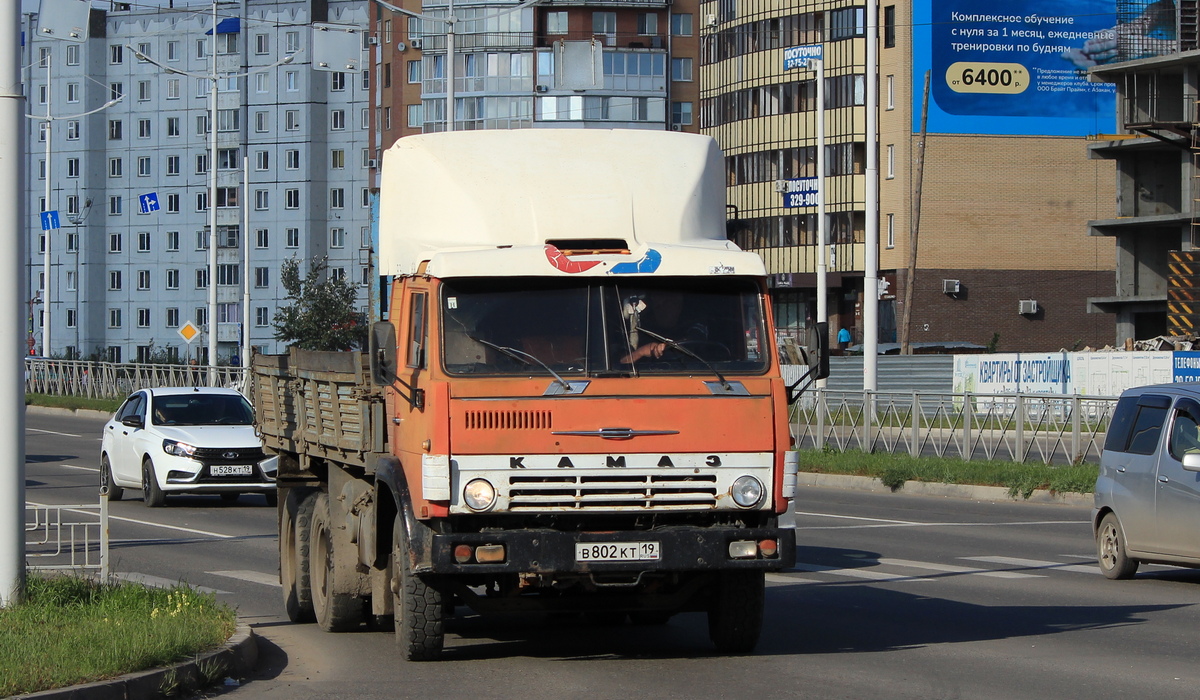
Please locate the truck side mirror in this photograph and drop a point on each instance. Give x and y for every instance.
(818, 350)
(383, 353)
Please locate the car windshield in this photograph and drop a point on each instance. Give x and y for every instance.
(202, 409)
(601, 326)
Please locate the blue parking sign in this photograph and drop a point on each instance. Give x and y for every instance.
(50, 220)
(148, 202)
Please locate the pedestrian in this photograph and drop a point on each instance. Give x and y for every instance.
(844, 338)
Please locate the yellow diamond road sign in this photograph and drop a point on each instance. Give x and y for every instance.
(189, 331)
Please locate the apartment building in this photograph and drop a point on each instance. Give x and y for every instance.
(1002, 256)
(292, 170)
(1155, 222)
(566, 64)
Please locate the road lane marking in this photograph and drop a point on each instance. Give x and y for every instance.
(1037, 564)
(50, 432)
(880, 523)
(864, 573)
(160, 582)
(951, 569)
(858, 517)
(86, 469)
(251, 576)
(193, 531)
(773, 577)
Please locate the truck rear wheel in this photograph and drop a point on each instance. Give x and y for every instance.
(417, 606)
(735, 614)
(294, 527)
(335, 612)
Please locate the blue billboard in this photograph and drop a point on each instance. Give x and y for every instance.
(1017, 67)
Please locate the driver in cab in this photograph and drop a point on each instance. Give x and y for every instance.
(662, 315)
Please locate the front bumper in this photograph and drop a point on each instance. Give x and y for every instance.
(194, 476)
(553, 551)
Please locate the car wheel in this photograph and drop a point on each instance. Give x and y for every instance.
(1110, 550)
(417, 607)
(109, 487)
(152, 495)
(294, 524)
(735, 614)
(335, 611)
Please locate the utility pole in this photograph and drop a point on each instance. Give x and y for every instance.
(906, 323)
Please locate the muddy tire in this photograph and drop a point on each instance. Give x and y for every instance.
(111, 491)
(152, 494)
(294, 525)
(335, 612)
(735, 614)
(418, 607)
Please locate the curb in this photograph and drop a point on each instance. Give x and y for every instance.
(236, 658)
(927, 488)
(52, 411)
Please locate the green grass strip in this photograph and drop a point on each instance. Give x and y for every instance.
(73, 402)
(893, 470)
(70, 630)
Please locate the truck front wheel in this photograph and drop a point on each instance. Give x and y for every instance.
(294, 525)
(735, 613)
(335, 611)
(417, 606)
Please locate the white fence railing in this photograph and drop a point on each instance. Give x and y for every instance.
(67, 537)
(106, 380)
(1050, 428)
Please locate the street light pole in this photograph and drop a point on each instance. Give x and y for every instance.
(49, 231)
(211, 316)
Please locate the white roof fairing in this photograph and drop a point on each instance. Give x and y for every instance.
(486, 202)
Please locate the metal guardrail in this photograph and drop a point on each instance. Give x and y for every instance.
(1050, 428)
(106, 380)
(67, 537)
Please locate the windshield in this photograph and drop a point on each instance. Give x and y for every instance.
(599, 327)
(202, 409)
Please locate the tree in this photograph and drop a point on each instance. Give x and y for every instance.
(321, 313)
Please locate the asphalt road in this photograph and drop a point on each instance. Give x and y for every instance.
(895, 596)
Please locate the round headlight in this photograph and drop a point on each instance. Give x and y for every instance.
(747, 491)
(479, 494)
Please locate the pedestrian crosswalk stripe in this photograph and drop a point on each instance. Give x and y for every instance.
(160, 582)
(251, 576)
(1037, 564)
(864, 573)
(951, 569)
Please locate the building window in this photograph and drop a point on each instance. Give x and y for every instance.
(262, 160)
(337, 198)
(73, 130)
(201, 315)
(173, 204)
(72, 54)
(262, 44)
(227, 43)
(143, 280)
(604, 23)
(337, 119)
(72, 320)
(72, 92)
(387, 75)
(143, 128)
(262, 83)
(681, 113)
(366, 80)
(337, 274)
(202, 278)
(201, 163)
(228, 275)
(116, 54)
(291, 159)
(681, 69)
(172, 241)
(72, 205)
(337, 238)
(173, 89)
(262, 238)
(229, 159)
(229, 119)
(293, 238)
(891, 92)
(72, 167)
(889, 27)
(262, 316)
(414, 72)
(173, 126)
(556, 22)
(227, 197)
(143, 91)
(114, 130)
(172, 50)
(647, 23)
(291, 120)
(172, 278)
(337, 82)
(114, 204)
(201, 201)
(114, 280)
(143, 241)
(114, 318)
(173, 317)
(115, 91)
(114, 242)
(681, 24)
(337, 159)
(891, 161)
(291, 198)
(262, 200)
(172, 165)
(364, 237)
(387, 118)
(143, 318)
(291, 79)
(291, 42)
(262, 277)
(891, 230)
(366, 197)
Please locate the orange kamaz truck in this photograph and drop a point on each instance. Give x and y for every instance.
(576, 405)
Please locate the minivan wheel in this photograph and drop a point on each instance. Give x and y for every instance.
(1110, 550)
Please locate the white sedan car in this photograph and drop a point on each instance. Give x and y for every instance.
(185, 440)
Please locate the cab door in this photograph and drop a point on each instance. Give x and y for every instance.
(419, 421)
(1177, 506)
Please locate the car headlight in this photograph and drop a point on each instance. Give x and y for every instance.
(746, 491)
(179, 449)
(479, 494)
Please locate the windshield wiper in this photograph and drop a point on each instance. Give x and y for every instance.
(676, 345)
(521, 356)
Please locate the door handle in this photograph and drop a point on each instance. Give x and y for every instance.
(1121, 470)
(1163, 479)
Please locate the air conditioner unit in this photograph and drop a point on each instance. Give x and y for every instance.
(676, 127)
(372, 41)
(781, 185)
(951, 287)
(543, 88)
(400, 46)
(372, 163)
(1028, 306)
(416, 43)
(712, 20)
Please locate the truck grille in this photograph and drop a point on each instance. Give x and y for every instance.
(507, 420)
(238, 455)
(613, 492)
